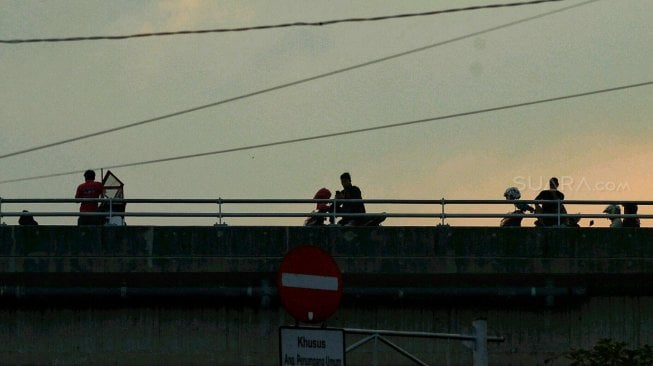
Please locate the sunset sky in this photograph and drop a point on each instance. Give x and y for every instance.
(598, 145)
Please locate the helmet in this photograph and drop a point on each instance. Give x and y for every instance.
(512, 193)
(322, 194)
(612, 210)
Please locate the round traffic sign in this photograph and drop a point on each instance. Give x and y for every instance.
(310, 284)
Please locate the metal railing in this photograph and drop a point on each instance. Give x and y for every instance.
(477, 341)
(438, 209)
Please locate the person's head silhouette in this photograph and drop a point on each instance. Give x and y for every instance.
(89, 175)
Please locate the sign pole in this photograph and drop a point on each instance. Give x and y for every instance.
(480, 342)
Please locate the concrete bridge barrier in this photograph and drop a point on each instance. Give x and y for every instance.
(207, 295)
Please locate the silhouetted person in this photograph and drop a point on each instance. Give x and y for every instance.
(613, 210)
(551, 194)
(349, 192)
(89, 189)
(322, 207)
(512, 194)
(630, 209)
(27, 220)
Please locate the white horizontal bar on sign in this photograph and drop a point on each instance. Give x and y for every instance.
(312, 282)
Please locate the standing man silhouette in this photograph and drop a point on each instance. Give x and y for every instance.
(89, 189)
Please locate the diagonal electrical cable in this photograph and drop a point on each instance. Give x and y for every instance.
(342, 133)
(283, 25)
(293, 83)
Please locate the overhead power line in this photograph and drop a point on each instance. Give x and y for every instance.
(293, 83)
(342, 133)
(283, 25)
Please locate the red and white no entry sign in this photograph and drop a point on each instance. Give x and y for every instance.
(310, 284)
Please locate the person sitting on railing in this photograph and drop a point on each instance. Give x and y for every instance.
(630, 209)
(322, 207)
(512, 194)
(349, 192)
(552, 194)
(89, 189)
(613, 210)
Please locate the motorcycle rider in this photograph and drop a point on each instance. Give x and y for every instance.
(513, 194)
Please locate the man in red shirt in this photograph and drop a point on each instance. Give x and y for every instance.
(89, 189)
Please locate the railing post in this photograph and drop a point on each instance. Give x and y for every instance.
(442, 203)
(375, 357)
(480, 342)
(0, 210)
(220, 210)
(558, 212)
(110, 210)
(334, 205)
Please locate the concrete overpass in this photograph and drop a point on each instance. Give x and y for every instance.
(206, 295)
